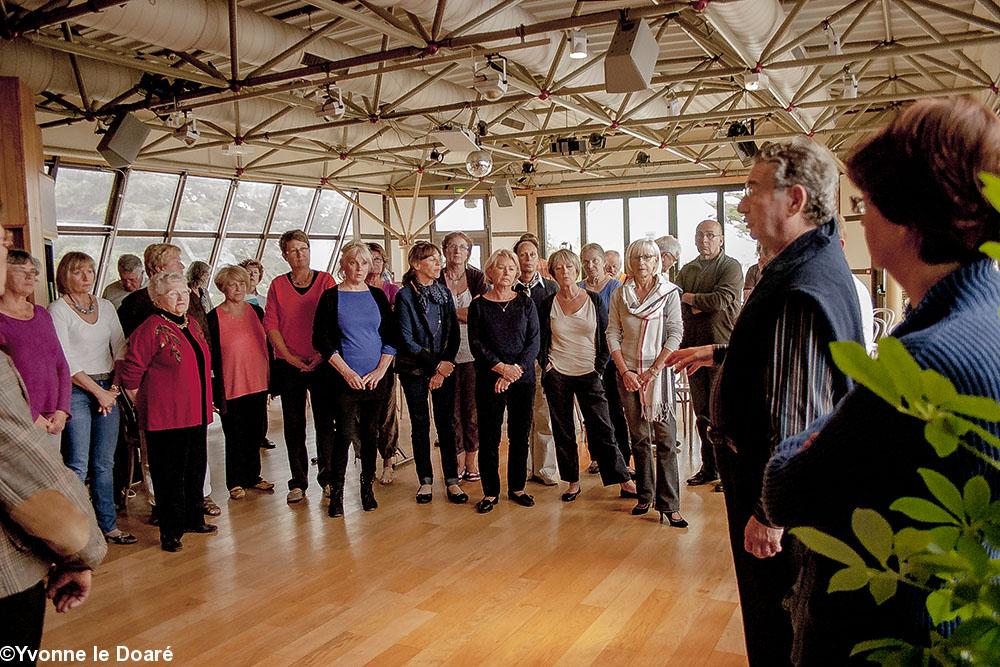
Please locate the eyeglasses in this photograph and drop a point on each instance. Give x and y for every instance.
(460, 248)
(177, 294)
(297, 251)
(706, 235)
(32, 273)
(647, 258)
(858, 205)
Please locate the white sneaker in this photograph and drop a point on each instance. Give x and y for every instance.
(295, 495)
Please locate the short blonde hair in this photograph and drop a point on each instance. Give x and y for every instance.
(232, 273)
(355, 249)
(567, 257)
(161, 283)
(153, 256)
(69, 263)
(636, 248)
(495, 258)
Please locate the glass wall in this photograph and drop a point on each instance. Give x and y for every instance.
(463, 217)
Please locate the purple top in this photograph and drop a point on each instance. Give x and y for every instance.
(35, 350)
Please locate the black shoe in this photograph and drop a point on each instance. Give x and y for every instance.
(486, 505)
(522, 499)
(368, 502)
(718, 488)
(570, 496)
(424, 498)
(458, 498)
(628, 494)
(675, 523)
(702, 477)
(204, 528)
(121, 538)
(336, 503)
(171, 544)
(267, 444)
(640, 509)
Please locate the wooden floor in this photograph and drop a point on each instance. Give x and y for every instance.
(560, 583)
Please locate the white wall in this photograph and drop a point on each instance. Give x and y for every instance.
(506, 224)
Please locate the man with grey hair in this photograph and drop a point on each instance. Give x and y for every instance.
(613, 264)
(776, 375)
(670, 252)
(130, 278)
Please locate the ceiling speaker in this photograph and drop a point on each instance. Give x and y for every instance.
(122, 142)
(504, 194)
(631, 58)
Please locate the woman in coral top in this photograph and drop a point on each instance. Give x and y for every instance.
(239, 380)
(167, 374)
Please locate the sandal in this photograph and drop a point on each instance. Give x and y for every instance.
(210, 508)
(471, 476)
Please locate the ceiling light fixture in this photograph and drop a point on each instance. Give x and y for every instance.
(850, 86)
(642, 158)
(479, 164)
(755, 81)
(188, 132)
(577, 45)
(333, 107)
(491, 80)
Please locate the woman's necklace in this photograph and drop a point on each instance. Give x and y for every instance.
(180, 325)
(301, 283)
(89, 310)
(457, 279)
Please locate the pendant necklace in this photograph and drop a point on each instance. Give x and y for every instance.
(89, 310)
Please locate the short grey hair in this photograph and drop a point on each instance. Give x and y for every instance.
(129, 264)
(802, 161)
(636, 248)
(670, 245)
(163, 282)
(199, 273)
(567, 257)
(21, 258)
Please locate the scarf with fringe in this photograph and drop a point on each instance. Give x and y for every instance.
(658, 397)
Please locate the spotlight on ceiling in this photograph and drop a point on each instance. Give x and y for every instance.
(642, 158)
(755, 81)
(479, 164)
(333, 107)
(188, 132)
(832, 40)
(527, 167)
(436, 155)
(491, 80)
(578, 45)
(850, 86)
(597, 141)
(745, 149)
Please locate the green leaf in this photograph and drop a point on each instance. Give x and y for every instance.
(991, 190)
(942, 438)
(882, 586)
(829, 546)
(939, 606)
(973, 552)
(946, 493)
(873, 644)
(874, 533)
(910, 541)
(852, 359)
(991, 248)
(905, 373)
(922, 510)
(848, 579)
(943, 538)
(976, 496)
(978, 407)
(937, 388)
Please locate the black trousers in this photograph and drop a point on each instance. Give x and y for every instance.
(617, 412)
(317, 383)
(22, 616)
(244, 430)
(415, 389)
(490, 406)
(701, 394)
(177, 460)
(763, 583)
(589, 392)
(360, 415)
(466, 420)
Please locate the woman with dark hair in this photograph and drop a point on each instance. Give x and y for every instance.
(354, 332)
(924, 218)
(255, 270)
(93, 342)
(573, 356)
(428, 329)
(503, 335)
(465, 283)
(380, 276)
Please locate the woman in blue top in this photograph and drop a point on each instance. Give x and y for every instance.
(503, 336)
(354, 332)
(428, 327)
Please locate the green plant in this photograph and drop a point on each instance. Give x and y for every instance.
(948, 550)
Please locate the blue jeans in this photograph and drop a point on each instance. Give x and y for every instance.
(89, 444)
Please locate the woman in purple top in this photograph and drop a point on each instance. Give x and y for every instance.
(29, 338)
(354, 333)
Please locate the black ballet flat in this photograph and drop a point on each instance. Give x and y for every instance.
(524, 500)
(640, 509)
(674, 523)
(486, 505)
(424, 498)
(458, 498)
(204, 529)
(171, 544)
(570, 496)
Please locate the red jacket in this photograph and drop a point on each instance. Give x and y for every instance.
(162, 365)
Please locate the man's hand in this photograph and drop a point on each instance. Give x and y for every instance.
(691, 358)
(760, 540)
(68, 589)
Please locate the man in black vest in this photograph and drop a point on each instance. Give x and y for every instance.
(712, 284)
(776, 375)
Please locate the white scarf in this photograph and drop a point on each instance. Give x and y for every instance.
(658, 396)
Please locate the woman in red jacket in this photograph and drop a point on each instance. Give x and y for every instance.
(167, 374)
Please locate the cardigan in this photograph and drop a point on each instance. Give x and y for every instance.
(866, 454)
(504, 333)
(600, 334)
(717, 288)
(416, 354)
(218, 378)
(34, 348)
(162, 365)
(326, 331)
(474, 278)
(46, 516)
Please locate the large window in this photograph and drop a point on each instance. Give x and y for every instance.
(92, 245)
(692, 209)
(82, 196)
(250, 206)
(739, 244)
(462, 217)
(606, 223)
(149, 198)
(331, 214)
(562, 227)
(201, 204)
(648, 217)
(292, 209)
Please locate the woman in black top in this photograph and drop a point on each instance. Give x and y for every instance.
(503, 335)
(428, 327)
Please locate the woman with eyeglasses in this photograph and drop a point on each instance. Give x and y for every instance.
(465, 283)
(380, 276)
(93, 342)
(644, 327)
(29, 338)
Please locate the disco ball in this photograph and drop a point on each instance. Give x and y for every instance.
(479, 164)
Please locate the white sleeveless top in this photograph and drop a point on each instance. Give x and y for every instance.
(574, 348)
(464, 355)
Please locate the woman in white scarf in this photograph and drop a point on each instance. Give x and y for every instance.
(644, 327)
